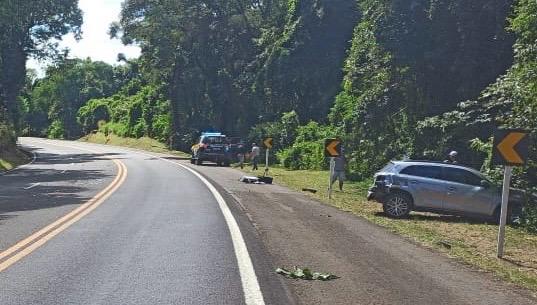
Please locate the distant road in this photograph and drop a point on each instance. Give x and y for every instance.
(156, 233)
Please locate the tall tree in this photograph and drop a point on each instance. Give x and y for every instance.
(29, 28)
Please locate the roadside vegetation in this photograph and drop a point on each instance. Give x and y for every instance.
(143, 143)
(11, 158)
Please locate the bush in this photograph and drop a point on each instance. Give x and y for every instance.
(118, 129)
(303, 155)
(7, 137)
(56, 130)
(307, 151)
(139, 130)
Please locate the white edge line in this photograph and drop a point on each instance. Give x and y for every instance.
(250, 284)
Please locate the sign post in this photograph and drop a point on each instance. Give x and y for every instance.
(510, 149)
(268, 146)
(505, 202)
(332, 149)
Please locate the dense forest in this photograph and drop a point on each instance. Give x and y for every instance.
(391, 78)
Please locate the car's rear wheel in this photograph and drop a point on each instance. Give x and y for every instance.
(397, 205)
(199, 161)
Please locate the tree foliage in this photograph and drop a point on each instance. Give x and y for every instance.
(29, 28)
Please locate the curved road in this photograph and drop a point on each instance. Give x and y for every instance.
(161, 237)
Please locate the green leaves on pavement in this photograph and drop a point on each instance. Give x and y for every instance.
(305, 274)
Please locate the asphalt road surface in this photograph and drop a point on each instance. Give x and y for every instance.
(158, 235)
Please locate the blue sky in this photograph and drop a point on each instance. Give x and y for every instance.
(95, 43)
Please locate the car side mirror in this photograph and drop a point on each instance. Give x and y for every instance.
(485, 184)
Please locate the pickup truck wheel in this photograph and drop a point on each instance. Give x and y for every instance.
(397, 205)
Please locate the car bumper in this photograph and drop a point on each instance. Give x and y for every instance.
(214, 157)
(376, 194)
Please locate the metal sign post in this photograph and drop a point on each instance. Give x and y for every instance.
(505, 200)
(267, 152)
(268, 145)
(510, 148)
(332, 169)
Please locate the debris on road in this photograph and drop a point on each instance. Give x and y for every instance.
(444, 243)
(249, 179)
(256, 180)
(305, 274)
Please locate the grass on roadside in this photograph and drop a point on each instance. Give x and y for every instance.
(470, 241)
(11, 158)
(143, 143)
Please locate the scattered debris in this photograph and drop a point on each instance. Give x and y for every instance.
(249, 179)
(305, 274)
(444, 243)
(309, 190)
(256, 180)
(266, 179)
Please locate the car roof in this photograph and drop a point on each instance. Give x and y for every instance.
(408, 163)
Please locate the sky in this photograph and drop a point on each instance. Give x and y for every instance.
(95, 43)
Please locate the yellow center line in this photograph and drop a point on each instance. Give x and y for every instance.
(39, 238)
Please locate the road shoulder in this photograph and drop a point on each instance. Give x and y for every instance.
(370, 261)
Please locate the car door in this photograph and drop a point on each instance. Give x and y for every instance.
(464, 192)
(424, 184)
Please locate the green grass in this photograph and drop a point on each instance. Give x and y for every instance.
(143, 143)
(472, 242)
(11, 158)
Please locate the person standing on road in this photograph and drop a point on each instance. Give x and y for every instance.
(339, 171)
(254, 155)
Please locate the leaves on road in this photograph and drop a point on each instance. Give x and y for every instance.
(305, 274)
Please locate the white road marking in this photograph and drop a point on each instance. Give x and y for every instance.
(65, 170)
(32, 186)
(250, 284)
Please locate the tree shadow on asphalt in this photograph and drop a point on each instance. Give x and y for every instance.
(177, 158)
(56, 187)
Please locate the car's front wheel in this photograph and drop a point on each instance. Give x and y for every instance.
(397, 205)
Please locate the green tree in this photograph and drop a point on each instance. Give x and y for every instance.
(29, 28)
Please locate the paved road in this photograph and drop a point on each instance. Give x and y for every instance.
(161, 238)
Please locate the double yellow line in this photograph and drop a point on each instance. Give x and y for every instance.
(39, 238)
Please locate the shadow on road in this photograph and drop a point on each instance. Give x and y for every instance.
(54, 187)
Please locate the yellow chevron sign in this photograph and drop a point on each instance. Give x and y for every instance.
(332, 148)
(268, 142)
(511, 147)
